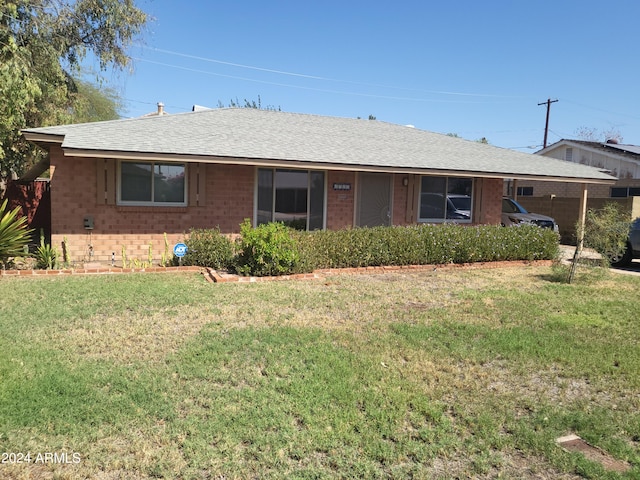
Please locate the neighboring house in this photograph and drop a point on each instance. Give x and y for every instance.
(560, 200)
(126, 183)
(620, 161)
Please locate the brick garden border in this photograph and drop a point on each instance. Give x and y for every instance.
(95, 271)
(214, 276)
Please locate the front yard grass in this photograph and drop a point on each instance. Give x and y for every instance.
(456, 374)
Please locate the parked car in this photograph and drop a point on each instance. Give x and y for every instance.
(633, 246)
(459, 205)
(433, 205)
(515, 214)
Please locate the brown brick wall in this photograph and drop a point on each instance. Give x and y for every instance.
(340, 203)
(488, 201)
(403, 200)
(229, 200)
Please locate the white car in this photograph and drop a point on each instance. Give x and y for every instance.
(515, 214)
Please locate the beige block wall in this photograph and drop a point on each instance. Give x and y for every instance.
(565, 210)
(566, 189)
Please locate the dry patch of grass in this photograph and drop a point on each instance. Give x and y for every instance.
(130, 336)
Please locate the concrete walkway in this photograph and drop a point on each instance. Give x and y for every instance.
(567, 252)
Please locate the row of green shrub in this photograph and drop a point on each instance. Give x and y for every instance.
(274, 249)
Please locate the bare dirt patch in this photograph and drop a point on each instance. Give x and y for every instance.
(573, 443)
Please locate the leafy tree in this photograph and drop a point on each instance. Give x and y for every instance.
(42, 44)
(94, 104)
(606, 230)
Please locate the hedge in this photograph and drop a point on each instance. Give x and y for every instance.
(274, 249)
(425, 245)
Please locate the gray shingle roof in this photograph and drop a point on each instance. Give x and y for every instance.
(326, 142)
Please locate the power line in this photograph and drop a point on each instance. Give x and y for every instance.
(324, 90)
(328, 79)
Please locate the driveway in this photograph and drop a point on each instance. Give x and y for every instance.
(633, 269)
(567, 251)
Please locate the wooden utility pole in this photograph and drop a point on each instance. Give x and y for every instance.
(546, 125)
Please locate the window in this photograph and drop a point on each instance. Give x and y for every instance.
(525, 191)
(294, 197)
(152, 183)
(445, 199)
(568, 154)
(619, 192)
(623, 192)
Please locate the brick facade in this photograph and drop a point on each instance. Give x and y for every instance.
(340, 203)
(74, 196)
(225, 197)
(488, 201)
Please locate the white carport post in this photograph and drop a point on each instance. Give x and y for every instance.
(580, 241)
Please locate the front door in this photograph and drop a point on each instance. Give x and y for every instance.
(374, 200)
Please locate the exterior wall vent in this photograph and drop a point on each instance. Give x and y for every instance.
(568, 154)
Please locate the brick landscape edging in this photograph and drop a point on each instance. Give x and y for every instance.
(215, 276)
(223, 277)
(96, 271)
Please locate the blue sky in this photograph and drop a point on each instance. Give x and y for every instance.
(474, 68)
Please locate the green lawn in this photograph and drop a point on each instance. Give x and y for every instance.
(444, 374)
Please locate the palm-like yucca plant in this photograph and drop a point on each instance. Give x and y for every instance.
(46, 255)
(14, 234)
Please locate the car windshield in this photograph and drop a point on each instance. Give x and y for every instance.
(511, 206)
(461, 203)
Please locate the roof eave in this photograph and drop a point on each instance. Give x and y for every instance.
(42, 139)
(284, 163)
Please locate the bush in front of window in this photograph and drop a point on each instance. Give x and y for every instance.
(268, 249)
(424, 245)
(208, 248)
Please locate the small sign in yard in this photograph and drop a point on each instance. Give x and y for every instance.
(180, 250)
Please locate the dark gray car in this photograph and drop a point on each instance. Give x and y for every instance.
(633, 246)
(515, 214)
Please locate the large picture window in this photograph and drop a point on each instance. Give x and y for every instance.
(152, 183)
(294, 197)
(445, 199)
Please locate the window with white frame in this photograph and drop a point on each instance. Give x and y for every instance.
(152, 183)
(568, 154)
(294, 197)
(445, 199)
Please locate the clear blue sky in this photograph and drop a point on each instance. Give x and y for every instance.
(475, 68)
